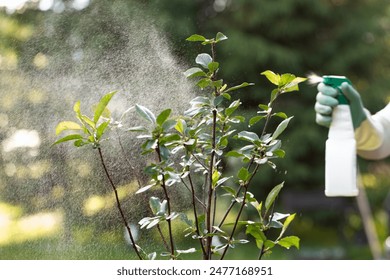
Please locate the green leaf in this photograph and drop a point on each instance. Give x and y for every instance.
(101, 106)
(213, 66)
(272, 77)
(196, 38)
(268, 244)
(255, 120)
(67, 125)
(68, 138)
(281, 127)
(274, 94)
(259, 235)
(286, 223)
(281, 115)
(264, 107)
(234, 153)
(145, 113)
(137, 129)
(76, 108)
(169, 124)
(289, 241)
(101, 129)
(80, 143)
(181, 126)
(272, 196)
(293, 85)
(217, 83)
(194, 72)
(88, 121)
(220, 37)
(163, 116)
(144, 189)
(203, 83)
(279, 153)
(245, 84)
(229, 190)
(243, 174)
(169, 139)
(233, 107)
(215, 177)
(204, 59)
(248, 136)
(188, 251)
(218, 100)
(155, 204)
(286, 78)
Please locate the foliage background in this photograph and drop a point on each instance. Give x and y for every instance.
(341, 37)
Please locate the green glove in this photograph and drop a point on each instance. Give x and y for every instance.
(327, 100)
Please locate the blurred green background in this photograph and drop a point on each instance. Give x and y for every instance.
(54, 202)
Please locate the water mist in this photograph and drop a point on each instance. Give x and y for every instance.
(126, 54)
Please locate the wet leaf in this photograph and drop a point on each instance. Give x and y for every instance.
(68, 138)
(194, 72)
(145, 113)
(196, 38)
(272, 77)
(281, 127)
(272, 196)
(67, 125)
(245, 84)
(101, 106)
(289, 241)
(163, 116)
(204, 59)
(220, 37)
(248, 136)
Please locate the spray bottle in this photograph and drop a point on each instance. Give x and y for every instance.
(340, 148)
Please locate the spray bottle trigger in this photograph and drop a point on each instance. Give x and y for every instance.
(336, 82)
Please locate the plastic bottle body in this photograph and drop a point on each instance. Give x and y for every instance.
(340, 158)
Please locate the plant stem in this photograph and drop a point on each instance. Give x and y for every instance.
(196, 216)
(163, 238)
(236, 222)
(164, 187)
(118, 204)
(262, 252)
(234, 201)
(196, 198)
(228, 210)
(210, 187)
(245, 186)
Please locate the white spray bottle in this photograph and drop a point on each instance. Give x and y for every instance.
(340, 149)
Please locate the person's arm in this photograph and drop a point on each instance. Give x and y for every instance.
(373, 135)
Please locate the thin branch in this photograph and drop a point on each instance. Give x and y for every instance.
(200, 162)
(245, 186)
(164, 187)
(196, 216)
(196, 197)
(229, 209)
(235, 223)
(163, 238)
(210, 187)
(119, 204)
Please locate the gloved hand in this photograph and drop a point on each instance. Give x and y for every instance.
(327, 100)
(372, 133)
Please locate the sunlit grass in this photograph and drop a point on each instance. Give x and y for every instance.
(15, 228)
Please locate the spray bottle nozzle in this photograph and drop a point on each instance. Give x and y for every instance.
(336, 82)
